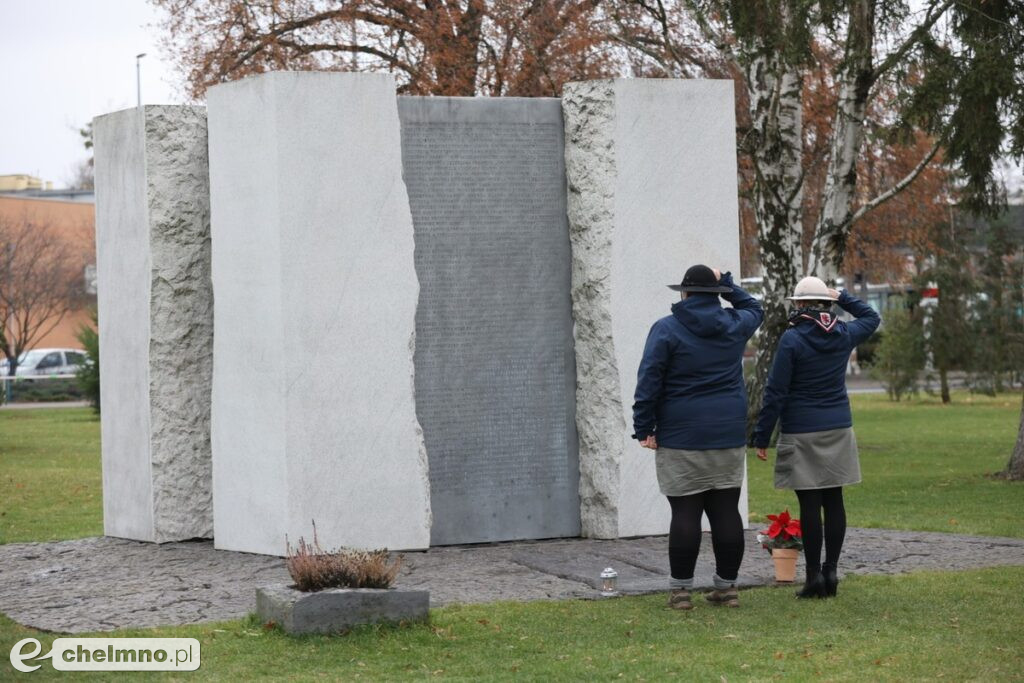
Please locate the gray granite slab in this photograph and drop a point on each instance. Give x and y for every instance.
(495, 370)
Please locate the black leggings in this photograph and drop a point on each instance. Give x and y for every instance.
(721, 506)
(812, 502)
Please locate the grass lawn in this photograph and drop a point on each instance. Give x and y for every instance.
(924, 467)
(50, 481)
(912, 627)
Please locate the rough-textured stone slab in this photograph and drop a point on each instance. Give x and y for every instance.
(156, 311)
(495, 373)
(99, 584)
(338, 609)
(651, 168)
(313, 413)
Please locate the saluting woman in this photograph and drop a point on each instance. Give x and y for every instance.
(691, 408)
(816, 451)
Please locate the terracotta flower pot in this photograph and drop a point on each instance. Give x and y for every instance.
(785, 564)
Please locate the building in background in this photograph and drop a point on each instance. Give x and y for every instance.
(28, 186)
(73, 220)
(20, 182)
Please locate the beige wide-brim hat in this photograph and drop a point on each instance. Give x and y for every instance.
(811, 289)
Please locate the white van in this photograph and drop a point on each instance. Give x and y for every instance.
(48, 362)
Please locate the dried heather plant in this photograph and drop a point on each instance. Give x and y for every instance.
(313, 568)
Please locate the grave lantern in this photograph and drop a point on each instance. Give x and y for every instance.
(609, 579)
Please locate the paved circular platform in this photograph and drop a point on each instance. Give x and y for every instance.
(101, 584)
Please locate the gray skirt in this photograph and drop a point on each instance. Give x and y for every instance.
(683, 472)
(817, 460)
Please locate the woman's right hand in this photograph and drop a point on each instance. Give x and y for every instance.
(762, 453)
(650, 442)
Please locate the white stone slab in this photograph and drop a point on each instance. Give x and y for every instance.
(651, 166)
(156, 322)
(313, 410)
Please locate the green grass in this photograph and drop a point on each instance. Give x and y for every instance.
(920, 626)
(924, 467)
(50, 478)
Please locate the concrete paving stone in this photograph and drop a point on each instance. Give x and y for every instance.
(103, 584)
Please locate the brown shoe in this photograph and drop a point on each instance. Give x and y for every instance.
(728, 597)
(680, 599)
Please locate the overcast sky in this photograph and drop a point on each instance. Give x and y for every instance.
(65, 61)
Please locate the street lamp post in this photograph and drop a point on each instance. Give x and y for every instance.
(138, 78)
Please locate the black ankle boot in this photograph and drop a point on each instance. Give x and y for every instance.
(814, 586)
(831, 579)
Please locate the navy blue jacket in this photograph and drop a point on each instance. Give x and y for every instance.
(807, 387)
(689, 390)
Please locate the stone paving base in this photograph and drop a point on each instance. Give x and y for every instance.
(101, 584)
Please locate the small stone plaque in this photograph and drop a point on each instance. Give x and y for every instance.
(495, 370)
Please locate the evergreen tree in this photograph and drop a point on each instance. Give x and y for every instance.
(999, 325)
(88, 375)
(900, 356)
(947, 323)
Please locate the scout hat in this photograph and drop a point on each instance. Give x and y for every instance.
(700, 278)
(811, 289)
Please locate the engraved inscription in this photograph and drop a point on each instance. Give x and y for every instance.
(495, 375)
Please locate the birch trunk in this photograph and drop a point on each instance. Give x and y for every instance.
(855, 79)
(776, 108)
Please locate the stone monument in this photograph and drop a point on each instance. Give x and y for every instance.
(429, 312)
(156, 322)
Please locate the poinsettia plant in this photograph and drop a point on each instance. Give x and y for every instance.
(783, 533)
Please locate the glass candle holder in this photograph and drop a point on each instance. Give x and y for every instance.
(609, 582)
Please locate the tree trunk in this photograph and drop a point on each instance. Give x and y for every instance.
(944, 381)
(453, 55)
(1015, 468)
(855, 77)
(776, 108)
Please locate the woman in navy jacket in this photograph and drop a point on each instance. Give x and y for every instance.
(816, 451)
(691, 406)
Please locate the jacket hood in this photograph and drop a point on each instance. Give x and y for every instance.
(824, 333)
(702, 315)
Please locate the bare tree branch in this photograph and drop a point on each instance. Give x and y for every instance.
(899, 186)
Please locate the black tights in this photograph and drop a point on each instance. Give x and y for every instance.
(812, 502)
(721, 506)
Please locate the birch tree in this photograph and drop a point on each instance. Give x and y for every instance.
(955, 65)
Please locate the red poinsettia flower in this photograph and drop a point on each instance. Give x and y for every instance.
(785, 525)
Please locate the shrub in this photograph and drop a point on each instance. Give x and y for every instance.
(313, 568)
(88, 375)
(868, 348)
(44, 390)
(900, 355)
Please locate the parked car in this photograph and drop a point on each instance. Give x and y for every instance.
(47, 362)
